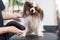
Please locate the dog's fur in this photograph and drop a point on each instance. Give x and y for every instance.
(33, 18)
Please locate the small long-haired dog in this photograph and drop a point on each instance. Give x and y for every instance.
(33, 18)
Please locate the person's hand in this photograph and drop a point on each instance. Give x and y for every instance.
(16, 16)
(15, 30)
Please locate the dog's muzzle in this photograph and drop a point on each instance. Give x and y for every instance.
(32, 10)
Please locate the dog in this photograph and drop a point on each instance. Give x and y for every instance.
(32, 19)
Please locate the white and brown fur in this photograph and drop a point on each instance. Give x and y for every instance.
(33, 19)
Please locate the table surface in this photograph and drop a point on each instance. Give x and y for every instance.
(47, 36)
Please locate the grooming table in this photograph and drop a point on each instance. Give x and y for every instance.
(47, 36)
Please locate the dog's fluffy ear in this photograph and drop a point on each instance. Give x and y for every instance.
(41, 13)
(25, 8)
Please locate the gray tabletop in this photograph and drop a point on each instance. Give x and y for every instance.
(47, 36)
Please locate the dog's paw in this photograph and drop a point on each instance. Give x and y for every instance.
(40, 34)
(23, 34)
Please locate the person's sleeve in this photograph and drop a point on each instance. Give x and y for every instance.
(1, 19)
(2, 7)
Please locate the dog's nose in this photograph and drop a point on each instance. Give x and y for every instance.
(32, 10)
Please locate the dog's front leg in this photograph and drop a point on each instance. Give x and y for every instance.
(40, 29)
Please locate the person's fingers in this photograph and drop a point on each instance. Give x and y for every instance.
(15, 30)
(20, 32)
(20, 14)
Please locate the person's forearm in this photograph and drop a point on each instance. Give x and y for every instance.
(7, 16)
(11, 29)
(3, 30)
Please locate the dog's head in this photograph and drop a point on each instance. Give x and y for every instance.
(32, 9)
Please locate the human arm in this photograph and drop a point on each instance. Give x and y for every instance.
(11, 29)
(11, 15)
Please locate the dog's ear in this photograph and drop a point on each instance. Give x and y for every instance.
(41, 13)
(24, 9)
(27, 5)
